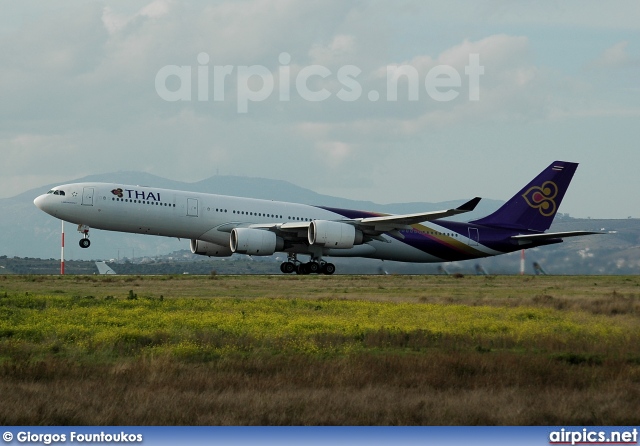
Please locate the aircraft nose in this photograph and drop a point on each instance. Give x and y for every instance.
(41, 203)
(38, 202)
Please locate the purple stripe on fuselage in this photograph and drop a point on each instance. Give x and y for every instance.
(449, 247)
(441, 246)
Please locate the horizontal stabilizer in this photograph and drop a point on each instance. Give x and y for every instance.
(553, 235)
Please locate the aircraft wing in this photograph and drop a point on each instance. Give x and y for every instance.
(295, 231)
(290, 226)
(400, 221)
(372, 226)
(552, 235)
(287, 227)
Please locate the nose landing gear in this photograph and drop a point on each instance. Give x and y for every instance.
(84, 241)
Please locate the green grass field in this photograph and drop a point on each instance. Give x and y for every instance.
(319, 350)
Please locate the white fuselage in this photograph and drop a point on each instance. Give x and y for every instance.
(209, 217)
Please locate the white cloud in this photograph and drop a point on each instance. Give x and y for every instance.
(113, 21)
(592, 14)
(333, 153)
(615, 56)
(340, 50)
(156, 9)
(512, 88)
(82, 86)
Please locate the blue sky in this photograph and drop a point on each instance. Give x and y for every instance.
(560, 81)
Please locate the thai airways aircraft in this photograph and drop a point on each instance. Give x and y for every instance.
(219, 225)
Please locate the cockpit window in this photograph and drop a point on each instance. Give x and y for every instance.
(50, 192)
(56, 192)
(61, 192)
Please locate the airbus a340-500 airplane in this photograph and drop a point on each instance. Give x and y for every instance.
(219, 225)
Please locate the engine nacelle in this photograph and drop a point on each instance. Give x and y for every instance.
(209, 249)
(333, 234)
(255, 242)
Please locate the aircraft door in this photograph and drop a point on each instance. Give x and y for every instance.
(192, 207)
(474, 237)
(87, 196)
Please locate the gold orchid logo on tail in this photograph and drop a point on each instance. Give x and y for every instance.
(542, 198)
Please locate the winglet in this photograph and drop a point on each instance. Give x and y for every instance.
(469, 205)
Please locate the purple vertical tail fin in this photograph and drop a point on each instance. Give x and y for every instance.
(535, 206)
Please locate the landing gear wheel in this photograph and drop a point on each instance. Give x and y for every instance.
(313, 267)
(329, 268)
(303, 268)
(287, 267)
(84, 230)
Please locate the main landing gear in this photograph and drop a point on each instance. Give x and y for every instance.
(84, 241)
(315, 266)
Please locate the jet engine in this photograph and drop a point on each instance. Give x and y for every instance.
(209, 249)
(255, 242)
(333, 234)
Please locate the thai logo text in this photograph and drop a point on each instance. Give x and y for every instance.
(542, 198)
(136, 194)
